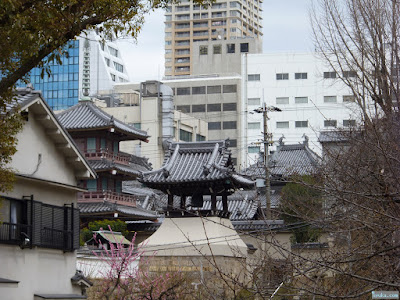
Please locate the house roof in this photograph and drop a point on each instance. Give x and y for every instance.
(113, 237)
(102, 208)
(334, 136)
(287, 160)
(87, 116)
(32, 100)
(196, 167)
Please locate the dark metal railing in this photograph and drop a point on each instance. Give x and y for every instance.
(14, 233)
(54, 238)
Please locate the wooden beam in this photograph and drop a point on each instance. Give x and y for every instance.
(225, 202)
(53, 131)
(42, 117)
(63, 146)
(214, 202)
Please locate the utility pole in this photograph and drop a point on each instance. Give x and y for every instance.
(264, 110)
(266, 162)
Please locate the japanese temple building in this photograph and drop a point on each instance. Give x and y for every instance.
(98, 135)
(187, 238)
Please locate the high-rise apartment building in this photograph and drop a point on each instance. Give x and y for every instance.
(92, 64)
(187, 23)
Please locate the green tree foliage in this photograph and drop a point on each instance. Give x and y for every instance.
(301, 204)
(116, 226)
(33, 32)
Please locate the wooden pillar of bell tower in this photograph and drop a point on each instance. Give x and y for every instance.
(225, 202)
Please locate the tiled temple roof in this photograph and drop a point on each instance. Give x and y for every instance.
(136, 167)
(111, 208)
(196, 167)
(287, 160)
(87, 116)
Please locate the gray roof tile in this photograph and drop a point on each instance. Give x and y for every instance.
(106, 207)
(86, 115)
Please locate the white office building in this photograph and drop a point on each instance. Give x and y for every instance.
(304, 88)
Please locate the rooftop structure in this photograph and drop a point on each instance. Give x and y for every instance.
(187, 23)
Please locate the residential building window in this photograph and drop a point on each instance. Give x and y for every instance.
(137, 125)
(253, 101)
(301, 124)
(349, 123)
(185, 136)
(231, 88)
(214, 89)
(200, 138)
(119, 67)
(107, 61)
(349, 98)
(183, 91)
(229, 125)
(282, 100)
(347, 74)
(253, 125)
(328, 75)
(112, 77)
(113, 51)
(198, 108)
(198, 90)
(253, 77)
(330, 99)
(168, 51)
(214, 107)
(232, 143)
(244, 47)
(229, 106)
(214, 125)
(217, 49)
(330, 123)
(253, 149)
(183, 108)
(300, 100)
(181, 60)
(282, 76)
(91, 185)
(230, 48)
(282, 124)
(300, 75)
(203, 50)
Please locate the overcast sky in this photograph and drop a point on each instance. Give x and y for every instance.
(286, 29)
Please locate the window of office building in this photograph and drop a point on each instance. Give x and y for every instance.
(200, 138)
(214, 89)
(300, 75)
(330, 99)
(119, 67)
(198, 90)
(253, 101)
(328, 75)
(282, 76)
(253, 149)
(185, 136)
(244, 47)
(253, 125)
(230, 48)
(300, 100)
(282, 100)
(232, 143)
(253, 77)
(231, 88)
(217, 49)
(330, 123)
(214, 125)
(198, 108)
(301, 124)
(113, 51)
(183, 108)
(349, 98)
(347, 74)
(229, 125)
(203, 50)
(183, 91)
(214, 107)
(229, 106)
(282, 124)
(349, 123)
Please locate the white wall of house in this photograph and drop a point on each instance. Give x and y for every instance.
(325, 101)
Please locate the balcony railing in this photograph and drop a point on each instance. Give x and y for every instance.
(54, 238)
(100, 196)
(11, 233)
(120, 157)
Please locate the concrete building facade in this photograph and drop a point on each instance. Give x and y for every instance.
(216, 100)
(187, 23)
(304, 88)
